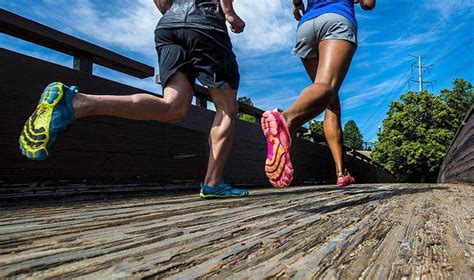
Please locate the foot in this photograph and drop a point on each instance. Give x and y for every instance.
(221, 191)
(278, 165)
(345, 180)
(53, 114)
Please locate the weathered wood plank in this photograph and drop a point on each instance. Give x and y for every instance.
(364, 231)
(458, 165)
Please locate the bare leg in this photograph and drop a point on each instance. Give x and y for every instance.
(334, 61)
(172, 108)
(332, 118)
(222, 133)
(333, 133)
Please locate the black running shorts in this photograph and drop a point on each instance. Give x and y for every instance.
(205, 54)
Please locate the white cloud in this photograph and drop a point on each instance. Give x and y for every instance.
(449, 9)
(128, 28)
(269, 25)
(366, 94)
(280, 98)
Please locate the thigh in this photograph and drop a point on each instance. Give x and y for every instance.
(178, 91)
(311, 66)
(335, 57)
(224, 99)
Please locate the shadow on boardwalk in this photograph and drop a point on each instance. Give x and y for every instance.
(364, 231)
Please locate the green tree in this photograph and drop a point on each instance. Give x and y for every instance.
(246, 117)
(459, 100)
(316, 126)
(352, 135)
(419, 129)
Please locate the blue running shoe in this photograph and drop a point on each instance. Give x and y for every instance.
(221, 191)
(53, 115)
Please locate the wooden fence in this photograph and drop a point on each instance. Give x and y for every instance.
(107, 149)
(458, 167)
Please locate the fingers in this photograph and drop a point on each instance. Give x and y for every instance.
(238, 27)
(298, 12)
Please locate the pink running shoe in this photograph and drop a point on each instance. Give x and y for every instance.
(345, 180)
(278, 165)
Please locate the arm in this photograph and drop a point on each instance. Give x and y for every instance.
(163, 5)
(236, 23)
(367, 4)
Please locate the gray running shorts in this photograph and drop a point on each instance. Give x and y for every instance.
(328, 26)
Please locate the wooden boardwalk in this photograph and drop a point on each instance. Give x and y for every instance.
(367, 231)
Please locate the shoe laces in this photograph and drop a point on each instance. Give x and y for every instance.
(226, 186)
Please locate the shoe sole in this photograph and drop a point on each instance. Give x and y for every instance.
(345, 184)
(279, 168)
(39, 137)
(214, 196)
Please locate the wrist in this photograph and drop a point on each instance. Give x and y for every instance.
(229, 11)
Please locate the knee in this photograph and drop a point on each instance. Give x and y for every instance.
(328, 89)
(229, 109)
(232, 110)
(177, 113)
(334, 110)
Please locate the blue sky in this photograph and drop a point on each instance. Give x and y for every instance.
(440, 30)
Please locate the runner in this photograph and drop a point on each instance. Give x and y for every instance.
(326, 42)
(192, 42)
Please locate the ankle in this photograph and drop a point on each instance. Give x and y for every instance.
(212, 182)
(79, 105)
(289, 121)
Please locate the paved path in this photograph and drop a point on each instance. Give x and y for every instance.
(367, 231)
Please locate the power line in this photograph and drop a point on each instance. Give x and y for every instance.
(377, 118)
(387, 96)
(461, 46)
(421, 69)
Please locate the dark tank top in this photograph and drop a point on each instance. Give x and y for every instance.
(194, 13)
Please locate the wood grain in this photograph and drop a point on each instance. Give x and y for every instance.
(364, 231)
(458, 166)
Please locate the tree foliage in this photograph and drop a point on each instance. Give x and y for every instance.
(459, 99)
(316, 126)
(246, 117)
(352, 135)
(419, 129)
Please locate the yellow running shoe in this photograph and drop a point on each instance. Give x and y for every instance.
(53, 115)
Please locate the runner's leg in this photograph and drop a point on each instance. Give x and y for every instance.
(332, 120)
(335, 57)
(221, 134)
(333, 133)
(172, 108)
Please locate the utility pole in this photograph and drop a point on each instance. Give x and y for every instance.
(421, 69)
(420, 73)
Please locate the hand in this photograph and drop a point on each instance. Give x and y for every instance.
(298, 10)
(236, 23)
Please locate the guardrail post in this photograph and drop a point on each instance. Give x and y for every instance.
(83, 63)
(201, 102)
